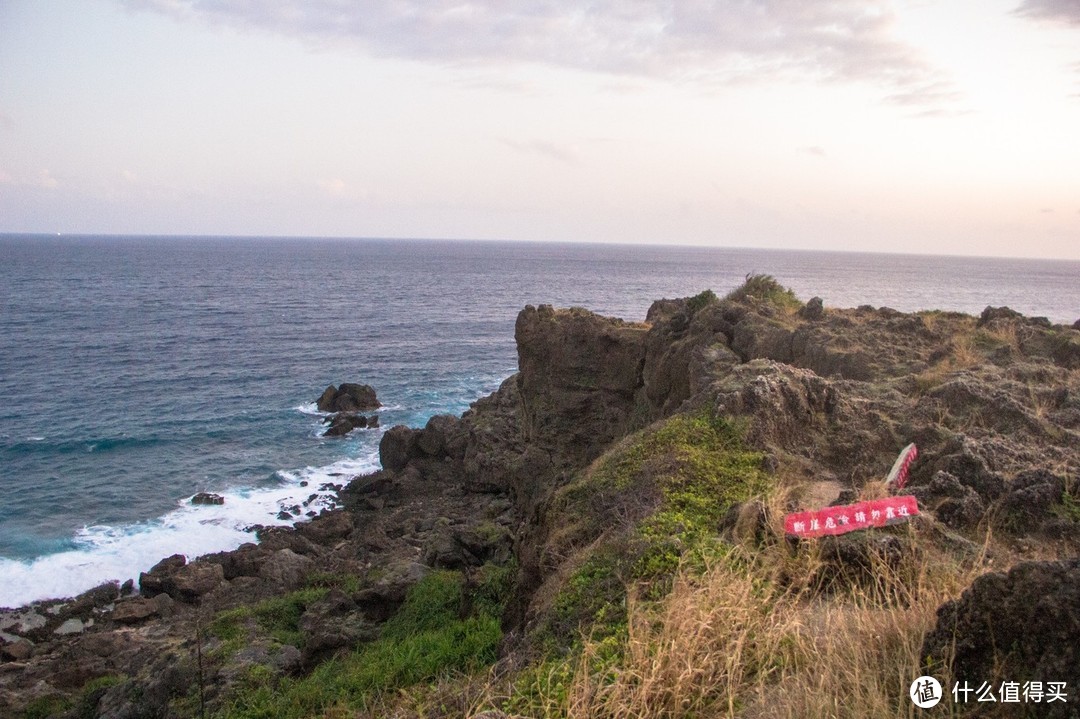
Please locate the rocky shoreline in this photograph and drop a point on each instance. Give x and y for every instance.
(823, 399)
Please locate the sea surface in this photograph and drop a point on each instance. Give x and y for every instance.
(137, 371)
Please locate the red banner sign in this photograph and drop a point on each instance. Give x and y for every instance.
(851, 517)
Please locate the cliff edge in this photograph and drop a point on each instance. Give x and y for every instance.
(623, 471)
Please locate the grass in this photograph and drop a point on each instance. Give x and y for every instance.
(963, 353)
(427, 639)
(640, 512)
(279, 617)
(752, 635)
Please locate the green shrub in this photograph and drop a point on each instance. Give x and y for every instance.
(765, 288)
(700, 300)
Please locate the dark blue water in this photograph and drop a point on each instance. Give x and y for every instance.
(137, 371)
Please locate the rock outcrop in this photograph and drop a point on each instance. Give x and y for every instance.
(1018, 626)
(348, 397)
(822, 395)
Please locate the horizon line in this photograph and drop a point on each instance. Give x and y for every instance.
(603, 243)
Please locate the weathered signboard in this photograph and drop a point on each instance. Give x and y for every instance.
(851, 517)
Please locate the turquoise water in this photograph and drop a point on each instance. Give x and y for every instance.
(137, 371)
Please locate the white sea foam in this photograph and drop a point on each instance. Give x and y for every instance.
(121, 552)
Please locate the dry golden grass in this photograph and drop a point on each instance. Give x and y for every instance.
(963, 354)
(1003, 334)
(757, 636)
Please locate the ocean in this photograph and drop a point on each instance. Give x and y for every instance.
(137, 371)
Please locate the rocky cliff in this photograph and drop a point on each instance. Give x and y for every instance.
(619, 452)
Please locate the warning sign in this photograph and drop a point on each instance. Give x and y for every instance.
(851, 517)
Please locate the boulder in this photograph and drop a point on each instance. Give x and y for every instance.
(1019, 626)
(207, 498)
(433, 440)
(344, 422)
(135, 610)
(813, 310)
(17, 651)
(379, 601)
(327, 528)
(991, 314)
(348, 398)
(152, 583)
(286, 569)
(398, 445)
(194, 580)
(244, 561)
(333, 622)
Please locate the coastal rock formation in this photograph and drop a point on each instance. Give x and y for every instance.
(615, 448)
(1019, 626)
(348, 397)
(207, 498)
(342, 423)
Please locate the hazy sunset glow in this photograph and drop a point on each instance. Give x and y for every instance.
(908, 126)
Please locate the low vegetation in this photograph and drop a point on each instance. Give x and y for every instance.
(430, 637)
(765, 289)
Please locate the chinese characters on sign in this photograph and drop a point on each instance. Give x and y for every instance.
(851, 517)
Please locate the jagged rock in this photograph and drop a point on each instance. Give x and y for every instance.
(579, 372)
(1032, 495)
(380, 600)
(860, 555)
(73, 626)
(344, 422)
(286, 569)
(991, 314)
(813, 310)
(348, 398)
(244, 561)
(433, 438)
(1066, 353)
(962, 512)
(444, 551)
(1018, 626)
(17, 651)
(965, 462)
(193, 580)
(954, 503)
(398, 445)
(327, 528)
(133, 611)
(272, 539)
(169, 676)
(207, 498)
(334, 622)
(153, 582)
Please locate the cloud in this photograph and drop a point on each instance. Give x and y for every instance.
(1065, 11)
(6, 121)
(719, 41)
(816, 151)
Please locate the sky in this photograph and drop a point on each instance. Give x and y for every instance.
(918, 126)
